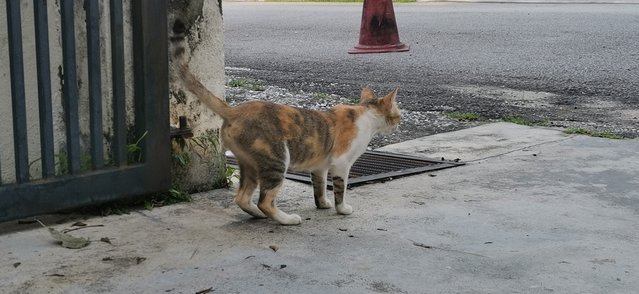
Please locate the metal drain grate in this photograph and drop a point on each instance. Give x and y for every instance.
(375, 166)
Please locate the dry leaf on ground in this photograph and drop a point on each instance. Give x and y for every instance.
(67, 240)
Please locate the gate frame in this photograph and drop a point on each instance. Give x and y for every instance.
(151, 96)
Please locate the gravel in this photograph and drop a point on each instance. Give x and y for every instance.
(422, 117)
(414, 124)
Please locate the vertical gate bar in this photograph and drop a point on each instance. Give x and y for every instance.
(117, 70)
(44, 88)
(70, 90)
(95, 84)
(139, 71)
(150, 49)
(18, 104)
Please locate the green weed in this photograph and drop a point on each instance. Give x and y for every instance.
(467, 116)
(580, 131)
(148, 202)
(230, 175)
(61, 161)
(518, 120)
(525, 122)
(134, 150)
(247, 84)
(321, 96)
(182, 158)
(114, 208)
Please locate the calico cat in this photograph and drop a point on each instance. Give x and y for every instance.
(268, 139)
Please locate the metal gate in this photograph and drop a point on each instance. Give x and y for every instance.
(103, 180)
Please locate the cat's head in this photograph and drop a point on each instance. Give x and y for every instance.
(385, 107)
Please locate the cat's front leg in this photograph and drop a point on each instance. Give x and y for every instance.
(340, 180)
(318, 178)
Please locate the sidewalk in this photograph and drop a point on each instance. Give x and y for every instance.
(533, 211)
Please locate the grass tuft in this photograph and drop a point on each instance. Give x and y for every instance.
(247, 84)
(321, 96)
(467, 116)
(518, 120)
(580, 131)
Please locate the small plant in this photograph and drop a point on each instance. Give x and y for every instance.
(62, 163)
(113, 208)
(517, 120)
(246, 84)
(580, 131)
(176, 196)
(172, 196)
(148, 202)
(321, 96)
(182, 158)
(467, 116)
(525, 122)
(209, 141)
(134, 150)
(230, 175)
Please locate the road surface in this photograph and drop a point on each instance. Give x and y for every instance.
(565, 65)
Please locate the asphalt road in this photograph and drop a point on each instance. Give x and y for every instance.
(566, 65)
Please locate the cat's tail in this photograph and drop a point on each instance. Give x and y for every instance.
(190, 82)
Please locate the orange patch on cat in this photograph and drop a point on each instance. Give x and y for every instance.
(314, 152)
(247, 109)
(262, 146)
(286, 117)
(312, 143)
(345, 127)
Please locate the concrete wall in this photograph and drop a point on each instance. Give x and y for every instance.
(205, 168)
(205, 40)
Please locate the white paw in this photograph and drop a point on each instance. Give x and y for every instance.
(292, 219)
(324, 204)
(287, 219)
(344, 209)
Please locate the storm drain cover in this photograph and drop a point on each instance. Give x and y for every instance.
(375, 166)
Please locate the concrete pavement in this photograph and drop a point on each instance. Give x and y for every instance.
(534, 211)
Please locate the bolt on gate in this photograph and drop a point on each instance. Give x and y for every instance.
(81, 174)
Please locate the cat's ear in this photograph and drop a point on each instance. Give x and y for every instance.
(367, 95)
(389, 100)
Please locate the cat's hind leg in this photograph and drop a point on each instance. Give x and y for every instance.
(340, 180)
(244, 197)
(270, 184)
(318, 178)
